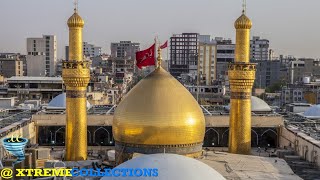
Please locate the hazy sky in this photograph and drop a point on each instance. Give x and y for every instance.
(292, 26)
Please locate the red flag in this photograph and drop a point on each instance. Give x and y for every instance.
(165, 45)
(146, 57)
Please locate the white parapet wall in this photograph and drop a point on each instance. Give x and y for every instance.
(305, 146)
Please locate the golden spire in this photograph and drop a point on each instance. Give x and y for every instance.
(76, 76)
(75, 21)
(241, 77)
(159, 58)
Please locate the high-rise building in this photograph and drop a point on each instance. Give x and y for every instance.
(207, 60)
(90, 50)
(124, 49)
(184, 54)
(259, 49)
(10, 65)
(268, 73)
(225, 55)
(225, 50)
(123, 56)
(42, 56)
(76, 76)
(241, 77)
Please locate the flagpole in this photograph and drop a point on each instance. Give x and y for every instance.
(168, 57)
(155, 51)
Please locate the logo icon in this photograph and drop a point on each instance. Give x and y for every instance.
(15, 146)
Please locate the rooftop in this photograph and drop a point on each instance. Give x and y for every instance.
(30, 78)
(234, 166)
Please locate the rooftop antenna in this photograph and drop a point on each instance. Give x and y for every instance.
(244, 6)
(75, 6)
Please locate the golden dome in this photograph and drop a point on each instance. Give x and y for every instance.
(75, 21)
(243, 22)
(159, 110)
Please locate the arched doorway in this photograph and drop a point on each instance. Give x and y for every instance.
(254, 138)
(269, 137)
(225, 138)
(59, 136)
(102, 137)
(211, 138)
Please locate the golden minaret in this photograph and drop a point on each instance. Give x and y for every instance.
(76, 75)
(241, 77)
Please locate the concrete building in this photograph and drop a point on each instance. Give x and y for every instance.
(98, 61)
(91, 50)
(292, 95)
(259, 49)
(301, 93)
(42, 56)
(296, 71)
(34, 88)
(183, 54)
(123, 56)
(124, 49)
(7, 103)
(10, 65)
(299, 69)
(225, 55)
(311, 67)
(207, 61)
(208, 94)
(268, 73)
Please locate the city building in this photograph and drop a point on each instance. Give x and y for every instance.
(307, 92)
(268, 73)
(98, 61)
(208, 95)
(225, 50)
(311, 67)
(34, 88)
(124, 49)
(292, 94)
(90, 50)
(10, 65)
(207, 61)
(123, 57)
(296, 71)
(225, 55)
(42, 56)
(183, 54)
(259, 49)
(299, 69)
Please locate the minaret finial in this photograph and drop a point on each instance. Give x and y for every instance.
(75, 6)
(244, 6)
(159, 59)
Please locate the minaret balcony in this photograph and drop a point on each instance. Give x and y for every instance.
(76, 73)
